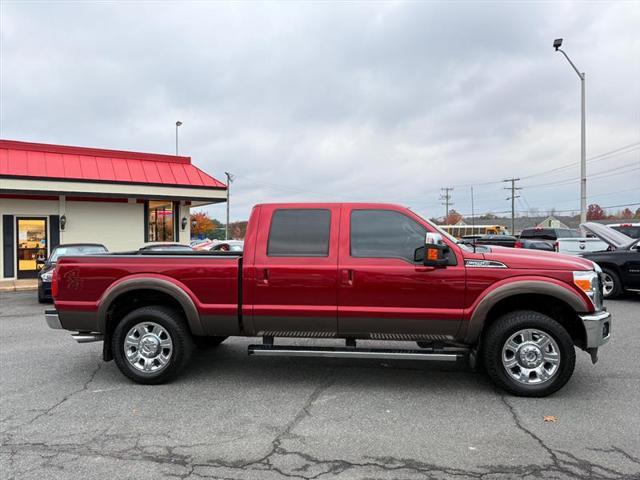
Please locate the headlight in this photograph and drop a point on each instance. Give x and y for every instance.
(588, 281)
(46, 277)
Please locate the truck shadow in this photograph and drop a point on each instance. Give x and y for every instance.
(230, 364)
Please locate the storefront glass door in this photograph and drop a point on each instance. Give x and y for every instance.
(31, 246)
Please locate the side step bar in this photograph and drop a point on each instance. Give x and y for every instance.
(87, 337)
(350, 352)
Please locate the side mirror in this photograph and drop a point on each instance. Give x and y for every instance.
(433, 254)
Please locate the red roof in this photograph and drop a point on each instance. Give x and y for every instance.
(59, 162)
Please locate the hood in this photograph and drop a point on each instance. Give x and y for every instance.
(616, 239)
(537, 259)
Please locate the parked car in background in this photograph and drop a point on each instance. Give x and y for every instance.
(227, 246)
(75, 249)
(629, 229)
(508, 241)
(498, 240)
(620, 264)
(165, 247)
(206, 245)
(577, 246)
(195, 243)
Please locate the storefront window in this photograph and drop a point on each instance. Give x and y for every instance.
(161, 221)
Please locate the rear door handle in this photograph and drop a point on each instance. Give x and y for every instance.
(264, 277)
(347, 277)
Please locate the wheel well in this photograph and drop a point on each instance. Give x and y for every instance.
(126, 303)
(545, 304)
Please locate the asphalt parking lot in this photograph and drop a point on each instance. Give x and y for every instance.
(66, 414)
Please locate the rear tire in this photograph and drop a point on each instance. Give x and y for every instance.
(205, 343)
(528, 354)
(152, 344)
(612, 287)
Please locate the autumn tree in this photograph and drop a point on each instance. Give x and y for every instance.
(637, 215)
(595, 212)
(206, 226)
(626, 214)
(453, 218)
(237, 230)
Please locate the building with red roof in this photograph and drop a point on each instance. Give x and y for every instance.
(54, 194)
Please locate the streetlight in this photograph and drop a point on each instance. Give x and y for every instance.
(178, 123)
(557, 43)
(226, 227)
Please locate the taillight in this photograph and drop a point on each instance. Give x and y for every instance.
(518, 244)
(54, 283)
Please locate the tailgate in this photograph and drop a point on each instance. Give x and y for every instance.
(580, 245)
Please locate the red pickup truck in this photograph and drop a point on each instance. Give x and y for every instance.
(345, 271)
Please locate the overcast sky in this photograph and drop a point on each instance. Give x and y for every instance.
(384, 101)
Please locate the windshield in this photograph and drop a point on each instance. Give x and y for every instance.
(76, 250)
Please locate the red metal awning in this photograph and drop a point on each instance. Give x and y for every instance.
(58, 162)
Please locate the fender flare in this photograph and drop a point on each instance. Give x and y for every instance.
(519, 287)
(177, 292)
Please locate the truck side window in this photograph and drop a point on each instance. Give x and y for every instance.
(385, 234)
(299, 232)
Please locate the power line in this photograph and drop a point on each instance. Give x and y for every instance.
(612, 153)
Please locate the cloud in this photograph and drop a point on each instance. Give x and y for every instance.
(311, 101)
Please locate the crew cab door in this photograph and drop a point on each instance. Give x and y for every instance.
(295, 271)
(382, 291)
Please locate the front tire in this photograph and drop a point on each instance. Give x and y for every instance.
(611, 286)
(528, 354)
(151, 345)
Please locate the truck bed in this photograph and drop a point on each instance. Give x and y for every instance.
(210, 279)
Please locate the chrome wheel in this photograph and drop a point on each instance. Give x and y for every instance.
(608, 284)
(531, 356)
(148, 347)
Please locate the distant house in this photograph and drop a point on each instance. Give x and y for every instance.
(551, 222)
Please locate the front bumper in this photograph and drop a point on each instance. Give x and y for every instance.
(597, 325)
(53, 320)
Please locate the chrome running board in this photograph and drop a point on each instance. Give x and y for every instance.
(347, 352)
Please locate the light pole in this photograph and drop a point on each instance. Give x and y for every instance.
(226, 227)
(178, 123)
(557, 43)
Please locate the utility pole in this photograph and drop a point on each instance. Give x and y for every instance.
(226, 227)
(473, 217)
(513, 197)
(446, 198)
(557, 43)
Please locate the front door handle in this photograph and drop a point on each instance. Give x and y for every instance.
(425, 269)
(347, 277)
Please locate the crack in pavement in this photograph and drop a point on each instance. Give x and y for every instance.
(289, 463)
(64, 399)
(586, 469)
